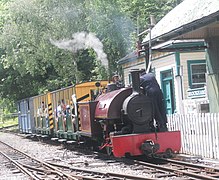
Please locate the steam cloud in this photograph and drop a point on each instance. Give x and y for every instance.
(83, 40)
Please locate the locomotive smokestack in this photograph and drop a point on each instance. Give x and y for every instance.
(135, 80)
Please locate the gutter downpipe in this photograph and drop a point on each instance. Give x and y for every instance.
(149, 51)
(179, 84)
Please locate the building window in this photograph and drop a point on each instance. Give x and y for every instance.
(167, 74)
(196, 72)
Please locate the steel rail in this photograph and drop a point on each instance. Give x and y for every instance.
(23, 169)
(176, 171)
(191, 164)
(107, 174)
(41, 170)
(58, 172)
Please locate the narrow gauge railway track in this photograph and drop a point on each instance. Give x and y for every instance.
(167, 171)
(10, 170)
(182, 168)
(87, 174)
(37, 169)
(30, 166)
(72, 173)
(167, 168)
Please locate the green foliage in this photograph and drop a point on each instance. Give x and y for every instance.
(30, 53)
(140, 10)
(7, 121)
(31, 64)
(112, 26)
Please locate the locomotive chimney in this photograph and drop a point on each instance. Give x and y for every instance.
(135, 81)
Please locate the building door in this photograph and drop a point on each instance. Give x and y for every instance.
(167, 87)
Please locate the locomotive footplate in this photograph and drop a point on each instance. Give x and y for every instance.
(132, 144)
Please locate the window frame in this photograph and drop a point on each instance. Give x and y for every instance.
(195, 62)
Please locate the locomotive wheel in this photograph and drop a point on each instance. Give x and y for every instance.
(109, 151)
(169, 153)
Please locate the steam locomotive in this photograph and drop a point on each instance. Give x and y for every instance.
(120, 121)
(124, 119)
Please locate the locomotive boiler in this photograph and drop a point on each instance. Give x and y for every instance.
(122, 121)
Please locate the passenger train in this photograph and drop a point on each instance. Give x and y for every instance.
(99, 114)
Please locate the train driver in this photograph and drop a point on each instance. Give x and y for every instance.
(116, 80)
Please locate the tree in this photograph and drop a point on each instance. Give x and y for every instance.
(26, 42)
(31, 64)
(112, 26)
(140, 10)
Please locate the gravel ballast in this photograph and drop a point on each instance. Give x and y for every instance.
(48, 152)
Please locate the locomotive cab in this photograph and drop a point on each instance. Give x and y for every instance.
(125, 110)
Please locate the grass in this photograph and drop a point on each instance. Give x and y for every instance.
(8, 122)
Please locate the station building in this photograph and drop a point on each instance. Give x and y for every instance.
(180, 74)
(185, 46)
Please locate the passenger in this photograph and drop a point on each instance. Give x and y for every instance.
(67, 117)
(59, 110)
(73, 118)
(68, 110)
(152, 89)
(39, 116)
(63, 106)
(40, 111)
(64, 111)
(61, 115)
(46, 115)
(42, 114)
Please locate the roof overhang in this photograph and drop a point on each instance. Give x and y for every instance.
(181, 46)
(202, 23)
(170, 46)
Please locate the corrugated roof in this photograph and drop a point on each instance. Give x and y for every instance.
(187, 12)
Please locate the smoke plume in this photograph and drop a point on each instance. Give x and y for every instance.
(83, 40)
